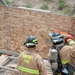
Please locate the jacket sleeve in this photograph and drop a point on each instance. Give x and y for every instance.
(41, 66)
(72, 55)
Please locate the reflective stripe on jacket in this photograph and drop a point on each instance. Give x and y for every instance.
(28, 70)
(65, 62)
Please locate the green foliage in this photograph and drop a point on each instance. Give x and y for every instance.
(7, 1)
(12, 2)
(0, 4)
(48, 0)
(61, 4)
(74, 15)
(67, 9)
(28, 6)
(44, 6)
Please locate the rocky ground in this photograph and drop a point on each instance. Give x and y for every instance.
(52, 5)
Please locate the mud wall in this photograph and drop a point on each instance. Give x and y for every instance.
(17, 24)
(72, 31)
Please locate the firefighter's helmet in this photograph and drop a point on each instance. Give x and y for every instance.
(57, 38)
(57, 41)
(31, 42)
(55, 34)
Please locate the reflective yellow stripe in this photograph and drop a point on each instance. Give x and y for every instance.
(29, 44)
(71, 42)
(57, 36)
(55, 41)
(28, 70)
(65, 61)
(35, 40)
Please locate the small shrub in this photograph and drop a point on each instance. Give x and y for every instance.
(48, 0)
(44, 6)
(28, 6)
(68, 9)
(74, 15)
(7, 1)
(0, 4)
(12, 2)
(61, 4)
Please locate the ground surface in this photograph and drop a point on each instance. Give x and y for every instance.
(52, 4)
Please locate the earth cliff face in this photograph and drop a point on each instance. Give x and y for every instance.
(17, 24)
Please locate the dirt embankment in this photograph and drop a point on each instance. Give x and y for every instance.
(17, 24)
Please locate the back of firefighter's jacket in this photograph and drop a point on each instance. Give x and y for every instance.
(31, 64)
(67, 54)
(68, 58)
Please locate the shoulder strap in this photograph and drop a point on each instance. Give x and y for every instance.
(60, 47)
(53, 47)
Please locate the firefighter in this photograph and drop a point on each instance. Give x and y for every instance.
(30, 62)
(64, 55)
(71, 43)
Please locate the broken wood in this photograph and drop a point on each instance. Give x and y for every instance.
(9, 52)
(14, 58)
(3, 58)
(7, 68)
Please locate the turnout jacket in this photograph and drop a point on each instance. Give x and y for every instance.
(31, 63)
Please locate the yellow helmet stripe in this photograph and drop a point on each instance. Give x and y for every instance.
(34, 40)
